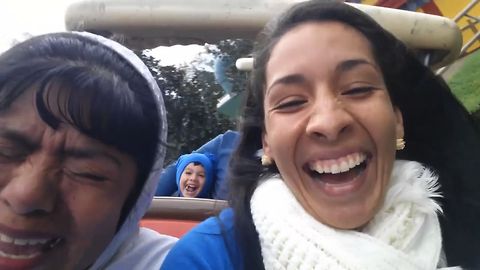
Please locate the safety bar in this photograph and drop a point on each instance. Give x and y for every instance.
(180, 208)
(151, 23)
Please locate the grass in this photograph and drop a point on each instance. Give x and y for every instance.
(465, 83)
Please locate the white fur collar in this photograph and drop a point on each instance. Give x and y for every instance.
(404, 234)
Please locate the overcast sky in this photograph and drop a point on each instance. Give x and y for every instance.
(18, 17)
(29, 16)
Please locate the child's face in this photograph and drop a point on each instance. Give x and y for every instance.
(192, 180)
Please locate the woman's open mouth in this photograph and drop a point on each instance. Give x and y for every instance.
(21, 253)
(341, 176)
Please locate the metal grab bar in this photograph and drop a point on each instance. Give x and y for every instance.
(180, 208)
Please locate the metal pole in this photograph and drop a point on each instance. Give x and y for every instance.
(469, 43)
(465, 10)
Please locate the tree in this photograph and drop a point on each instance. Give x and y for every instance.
(191, 103)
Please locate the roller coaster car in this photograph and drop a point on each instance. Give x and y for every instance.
(176, 215)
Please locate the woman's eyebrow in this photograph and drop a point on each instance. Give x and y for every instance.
(18, 139)
(86, 153)
(350, 64)
(288, 79)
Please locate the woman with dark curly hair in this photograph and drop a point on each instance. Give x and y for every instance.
(369, 161)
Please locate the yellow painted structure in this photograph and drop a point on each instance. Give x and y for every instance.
(450, 9)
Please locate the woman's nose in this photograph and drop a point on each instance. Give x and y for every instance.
(328, 119)
(31, 189)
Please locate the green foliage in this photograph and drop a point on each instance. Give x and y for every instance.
(191, 104)
(191, 98)
(465, 83)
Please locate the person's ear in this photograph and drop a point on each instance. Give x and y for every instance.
(265, 145)
(399, 131)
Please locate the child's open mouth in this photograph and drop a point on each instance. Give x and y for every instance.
(191, 188)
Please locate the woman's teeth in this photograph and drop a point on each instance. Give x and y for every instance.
(22, 242)
(25, 248)
(18, 257)
(339, 165)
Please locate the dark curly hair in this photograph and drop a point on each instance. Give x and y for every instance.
(438, 130)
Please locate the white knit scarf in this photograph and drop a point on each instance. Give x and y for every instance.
(404, 234)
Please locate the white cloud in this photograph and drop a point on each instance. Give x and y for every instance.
(18, 18)
(176, 55)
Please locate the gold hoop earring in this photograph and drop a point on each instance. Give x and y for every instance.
(400, 144)
(266, 160)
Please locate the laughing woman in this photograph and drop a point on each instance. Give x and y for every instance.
(369, 161)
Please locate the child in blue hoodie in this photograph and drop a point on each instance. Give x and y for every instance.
(221, 148)
(194, 175)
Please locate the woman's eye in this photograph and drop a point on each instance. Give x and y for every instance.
(9, 155)
(86, 176)
(358, 91)
(290, 104)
